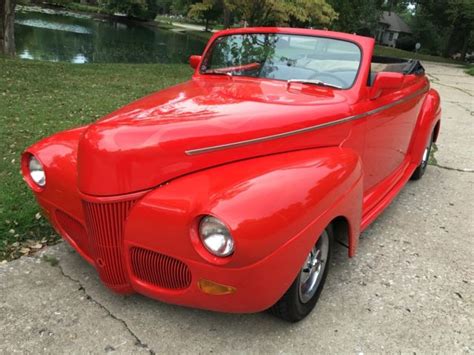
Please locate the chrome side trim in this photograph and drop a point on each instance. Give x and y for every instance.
(306, 129)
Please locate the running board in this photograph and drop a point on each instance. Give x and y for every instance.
(375, 211)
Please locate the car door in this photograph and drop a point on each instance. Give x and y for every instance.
(389, 128)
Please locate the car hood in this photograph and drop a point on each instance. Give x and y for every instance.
(152, 140)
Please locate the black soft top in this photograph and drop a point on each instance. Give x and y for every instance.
(398, 65)
(394, 65)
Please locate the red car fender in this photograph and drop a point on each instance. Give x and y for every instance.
(58, 154)
(265, 202)
(428, 123)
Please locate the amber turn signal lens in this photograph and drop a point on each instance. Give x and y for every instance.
(213, 288)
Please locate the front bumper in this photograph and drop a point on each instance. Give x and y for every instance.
(125, 267)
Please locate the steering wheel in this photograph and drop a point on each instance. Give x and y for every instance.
(318, 75)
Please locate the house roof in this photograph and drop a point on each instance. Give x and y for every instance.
(394, 22)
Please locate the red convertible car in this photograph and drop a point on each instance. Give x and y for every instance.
(226, 192)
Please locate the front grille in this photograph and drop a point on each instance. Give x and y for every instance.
(105, 223)
(160, 270)
(74, 229)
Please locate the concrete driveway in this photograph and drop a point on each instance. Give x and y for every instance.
(409, 289)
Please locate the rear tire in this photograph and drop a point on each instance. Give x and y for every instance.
(420, 170)
(303, 294)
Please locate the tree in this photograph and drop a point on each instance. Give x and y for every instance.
(461, 16)
(181, 7)
(260, 12)
(357, 16)
(398, 6)
(424, 29)
(267, 12)
(7, 27)
(209, 10)
(140, 9)
(444, 27)
(164, 6)
(309, 12)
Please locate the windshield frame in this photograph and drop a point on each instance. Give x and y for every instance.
(234, 32)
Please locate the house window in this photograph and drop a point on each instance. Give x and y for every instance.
(390, 36)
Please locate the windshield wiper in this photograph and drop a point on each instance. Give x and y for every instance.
(312, 82)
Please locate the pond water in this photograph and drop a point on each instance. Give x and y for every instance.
(81, 39)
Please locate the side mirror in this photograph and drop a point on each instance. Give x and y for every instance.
(194, 61)
(386, 81)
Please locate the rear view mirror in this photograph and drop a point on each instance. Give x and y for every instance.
(194, 61)
(385, 81)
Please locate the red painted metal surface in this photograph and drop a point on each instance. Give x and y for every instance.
(277, 164)
(73, 229)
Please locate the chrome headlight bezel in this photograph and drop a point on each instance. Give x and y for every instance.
(33, 172)
(215, 236)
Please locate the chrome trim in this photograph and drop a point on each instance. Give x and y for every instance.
(306, 129)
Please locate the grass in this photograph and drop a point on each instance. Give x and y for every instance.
(38, 99)
(165, 25)
(470, 69)
(399, 53)
(71, 6)
(74, 6)
(185, 20)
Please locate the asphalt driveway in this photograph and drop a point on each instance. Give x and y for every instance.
(409, 289)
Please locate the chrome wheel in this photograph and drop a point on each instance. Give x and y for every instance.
(313, 269)
(426, 155)
(420, 169)
(303, 294)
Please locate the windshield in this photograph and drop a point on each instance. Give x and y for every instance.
(319, 60)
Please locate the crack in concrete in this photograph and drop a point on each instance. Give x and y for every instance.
(452, 169)
(138, 342)
(438, 82)
(434, 162)
(460, 104)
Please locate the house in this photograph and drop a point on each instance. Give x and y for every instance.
(389, 29)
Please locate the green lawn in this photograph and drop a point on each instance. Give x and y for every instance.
(75, 6)
(470, 69)
(38, 99)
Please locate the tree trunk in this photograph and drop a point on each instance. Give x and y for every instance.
(447, 50)
(465, 44)
(7, 26)
(226, 16)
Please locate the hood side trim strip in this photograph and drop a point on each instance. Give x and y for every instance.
(306, 129)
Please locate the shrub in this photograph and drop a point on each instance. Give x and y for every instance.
(407, 43)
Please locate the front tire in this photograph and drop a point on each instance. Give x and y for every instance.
(303, 294)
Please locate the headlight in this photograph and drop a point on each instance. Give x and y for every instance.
(216, 237)
(36, 171)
